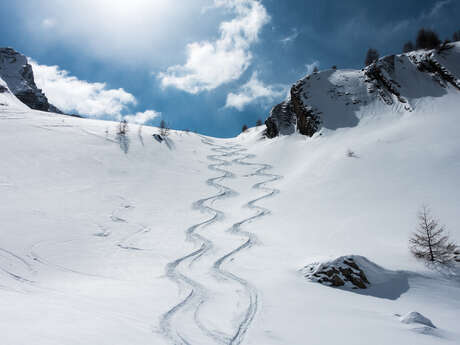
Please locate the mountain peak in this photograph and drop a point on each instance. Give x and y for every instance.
(18, 75)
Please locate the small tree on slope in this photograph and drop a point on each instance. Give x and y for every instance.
(372, 55)
(122, 127)
(430, 241)
(408, 47)
(456, 36)
(427, 39)
(164, 129)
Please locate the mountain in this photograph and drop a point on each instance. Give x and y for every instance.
(18, 75)
(341, 98)
(129, 240)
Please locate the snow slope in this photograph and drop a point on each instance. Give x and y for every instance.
(119, 240)
(8, 102)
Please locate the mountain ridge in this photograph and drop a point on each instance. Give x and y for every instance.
(339, 98)
(18, 75)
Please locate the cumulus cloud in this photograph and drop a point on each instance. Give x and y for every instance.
(141, 118)
(213, 63)
(254, 90)
(71, 94)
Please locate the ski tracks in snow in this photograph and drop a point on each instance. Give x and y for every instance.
(198, 294)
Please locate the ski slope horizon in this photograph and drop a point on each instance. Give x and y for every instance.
(110, 239)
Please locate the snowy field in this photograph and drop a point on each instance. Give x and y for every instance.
(113, 240)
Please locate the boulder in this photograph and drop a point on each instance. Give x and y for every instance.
(343, 271)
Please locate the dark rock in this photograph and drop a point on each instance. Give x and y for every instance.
(339, 272)
(287, 116)
(281, 121)
(158, 138)
(18, 75)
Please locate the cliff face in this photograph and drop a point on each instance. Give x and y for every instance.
(341, 98)
(18, 75)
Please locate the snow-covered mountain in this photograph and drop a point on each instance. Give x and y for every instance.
(116, 239)
(18, 75)
(341, 98)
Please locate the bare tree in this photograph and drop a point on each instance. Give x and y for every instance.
(123, 127)
(427, 39)
(456, 36)
(259, 122)
(408, 47)
(372, 55)
(164, 129)
(244, 128)
(430, 241)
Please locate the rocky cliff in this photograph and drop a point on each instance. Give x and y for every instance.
(341, 98)
(18, 75)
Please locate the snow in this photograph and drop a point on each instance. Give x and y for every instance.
(415, 317)
(127, 240)
(8, 102)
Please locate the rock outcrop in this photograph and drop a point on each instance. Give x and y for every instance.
(18, 75)
(339, 272)
(340, 98)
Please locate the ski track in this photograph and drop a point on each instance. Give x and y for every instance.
(12, 257)
(198, 294)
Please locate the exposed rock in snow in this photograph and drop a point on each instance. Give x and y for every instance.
(18, 75)
(358, 274)
(339, 272)
(415, 317)
(339, 98)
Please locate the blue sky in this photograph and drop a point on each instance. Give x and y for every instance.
(204, 65)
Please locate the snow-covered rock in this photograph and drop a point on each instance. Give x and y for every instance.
(339, 272)
(414, 317)
(341, 98)
(18, 75)
(358, 274)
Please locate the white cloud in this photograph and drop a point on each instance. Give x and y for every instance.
(291, 38)
(213, 63)
(431, 15)
(254, 90)
(311, 67)
(142, 117)
(71, 94)
(148, 32)
(438, 7)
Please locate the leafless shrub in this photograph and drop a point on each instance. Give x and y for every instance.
(164, 129)
(430, 241)
(122, 127)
